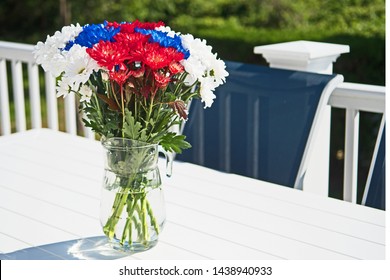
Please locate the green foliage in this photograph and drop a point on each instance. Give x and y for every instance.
(27, 20)
(108, 125)
(341, 16)
(240, 25)
(174, 143)
(133, 129)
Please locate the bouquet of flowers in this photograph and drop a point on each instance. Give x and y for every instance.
(134, 80)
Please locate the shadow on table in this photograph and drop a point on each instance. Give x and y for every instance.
(92, 248)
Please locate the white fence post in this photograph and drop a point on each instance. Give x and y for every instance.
(17, 82)
(351, 154)
(313, 57)
(4, 100)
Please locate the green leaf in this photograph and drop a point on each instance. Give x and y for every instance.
(100, 119)
(174, 143)
(133, 129)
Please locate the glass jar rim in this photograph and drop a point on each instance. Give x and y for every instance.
(121, 143)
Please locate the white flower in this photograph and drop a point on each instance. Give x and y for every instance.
(63, 87)
(51, 54)
(206, 93)
(194, 68)
(69, 33)
(79, 65)
(203, 66)
(50, 57)
(167, 30)
(86, 93)
(105, 76)
(219, 72)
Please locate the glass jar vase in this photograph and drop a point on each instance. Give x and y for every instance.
(132, 208)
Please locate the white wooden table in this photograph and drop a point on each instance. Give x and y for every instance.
(49, 203)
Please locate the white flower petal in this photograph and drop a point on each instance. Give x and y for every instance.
(203, 66)
(86, 93)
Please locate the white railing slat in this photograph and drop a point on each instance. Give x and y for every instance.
(351, 154)
(35, 100)
(17, 51)
(88, 133)
(4, 100)
(70, 114)
(51, 101)
(359, 96)
(17, 81)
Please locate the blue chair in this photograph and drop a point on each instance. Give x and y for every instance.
(261, 124)
(375, 190)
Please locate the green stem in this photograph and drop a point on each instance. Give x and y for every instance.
(117, 208)
(127, 229)
(145, 229)
(109, 228)
(137, 224)
(149, 113)
(97, 105)
(123, 112)
(153, 219)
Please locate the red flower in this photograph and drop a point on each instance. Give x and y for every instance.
(162, 80)
(176, 67)
(131, 38)
(172, 54)
(133, 56)
(109, 54)
(129, 27)
(113, 24)
(120, 76)
(146, 91)
(149, 25)
(138, 51)
(154, 56)
(135, 70)
(157, 57)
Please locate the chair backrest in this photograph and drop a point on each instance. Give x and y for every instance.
(375, 190)
(261, 123)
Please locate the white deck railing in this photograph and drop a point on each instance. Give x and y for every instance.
(353, 97)
(18, 55)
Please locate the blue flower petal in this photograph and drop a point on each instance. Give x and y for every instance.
(164, 40)
(93, 34)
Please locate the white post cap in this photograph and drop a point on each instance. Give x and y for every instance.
(307, 56)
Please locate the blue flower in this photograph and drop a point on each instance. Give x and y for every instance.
(164, 40)
(93, 34)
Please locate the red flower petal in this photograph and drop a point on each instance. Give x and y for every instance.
(109, 54)
(176, 67)
(161, 79)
